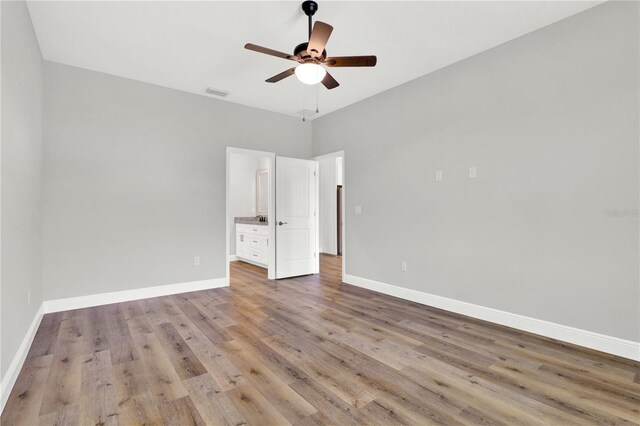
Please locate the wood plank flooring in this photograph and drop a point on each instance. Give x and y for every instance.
(307, 350)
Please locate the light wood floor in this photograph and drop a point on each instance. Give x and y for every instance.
(307, 351)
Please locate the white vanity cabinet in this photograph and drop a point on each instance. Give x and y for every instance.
(252, 243)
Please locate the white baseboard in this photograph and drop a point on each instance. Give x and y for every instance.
(10, 377)
(58, 305)
(613, 345)
(232, 258)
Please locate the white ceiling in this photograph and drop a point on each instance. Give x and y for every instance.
(193, 45)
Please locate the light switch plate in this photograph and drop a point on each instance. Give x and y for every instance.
(358, 209)
(472, 172)
(439, 176)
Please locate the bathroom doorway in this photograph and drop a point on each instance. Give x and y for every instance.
(250, 208)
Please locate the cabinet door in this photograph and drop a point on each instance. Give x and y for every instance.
(239, 244)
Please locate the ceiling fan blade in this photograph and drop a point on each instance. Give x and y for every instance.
(284, 74)
(268, 51)
(330, 82)
(351, 61)
(319, 37)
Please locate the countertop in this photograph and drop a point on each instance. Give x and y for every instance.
(252, 220)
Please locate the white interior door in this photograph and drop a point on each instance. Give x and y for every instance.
(296, 224)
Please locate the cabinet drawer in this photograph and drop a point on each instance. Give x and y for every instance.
(264, 230)
(255, 242)
(255, 255)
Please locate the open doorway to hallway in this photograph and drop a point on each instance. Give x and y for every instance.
(331, 191)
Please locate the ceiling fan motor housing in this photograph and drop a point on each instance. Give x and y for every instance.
(301, 50)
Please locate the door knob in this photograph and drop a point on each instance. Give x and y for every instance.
(282, 223)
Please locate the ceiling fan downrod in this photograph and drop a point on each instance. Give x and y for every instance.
(309, 7)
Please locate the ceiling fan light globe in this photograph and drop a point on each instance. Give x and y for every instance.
(310, 73)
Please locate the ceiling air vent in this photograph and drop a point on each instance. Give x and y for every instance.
(216, 92)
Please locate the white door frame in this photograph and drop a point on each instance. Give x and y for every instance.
(271, 271)
(344, 196)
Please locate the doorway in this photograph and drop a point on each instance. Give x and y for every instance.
(331, 206)
(250, 207)
(285, 244)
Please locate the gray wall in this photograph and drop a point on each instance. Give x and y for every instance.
(135, 180)
(551, 122)
(21, 176)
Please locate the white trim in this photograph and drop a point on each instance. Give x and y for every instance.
(10, 377)
(128, 295)
(330, 155)
(257, 152)
(316, 216)
(613, 345)
(344, 215)
(271, 270)
(232, 258)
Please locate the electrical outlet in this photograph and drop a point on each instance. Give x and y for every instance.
(438, 175)
(358, 209)
(403, 265)
(196, 261)
(472, 173)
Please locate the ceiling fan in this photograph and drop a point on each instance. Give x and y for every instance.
(312, 55)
